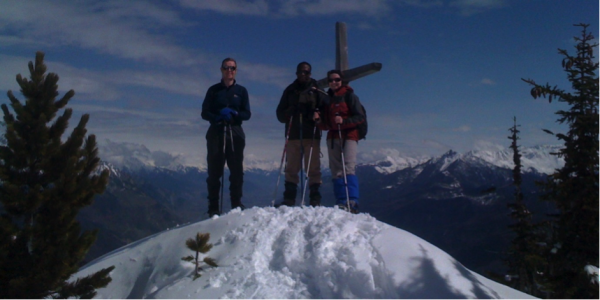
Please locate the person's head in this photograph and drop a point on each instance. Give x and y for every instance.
(303, 71)
(335, 79)
(228, 68)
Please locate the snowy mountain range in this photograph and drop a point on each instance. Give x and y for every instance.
(440, 199)
(291, 253)
(533, 159)
(134, 157)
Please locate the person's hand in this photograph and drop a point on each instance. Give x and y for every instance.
(227, 112)
(338, 120)
(316, 116)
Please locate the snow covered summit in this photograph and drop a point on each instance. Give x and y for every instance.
(293, 253)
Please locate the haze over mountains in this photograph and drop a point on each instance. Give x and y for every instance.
(133, 156)
(440, 199)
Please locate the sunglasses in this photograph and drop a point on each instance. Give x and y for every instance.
(334, 79)
(228, 68)
(303, 72)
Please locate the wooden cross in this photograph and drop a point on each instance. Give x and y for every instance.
(341, 59)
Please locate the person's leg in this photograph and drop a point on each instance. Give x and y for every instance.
(215, 162)
(337, 175)
(314, 171)
(350, 152)
(235, 162)
(292, 168)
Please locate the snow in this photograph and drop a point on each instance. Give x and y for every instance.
(537, 158)
(292, 253)
(593, 271)
(134, 157)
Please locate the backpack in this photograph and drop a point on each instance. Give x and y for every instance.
(362, 127)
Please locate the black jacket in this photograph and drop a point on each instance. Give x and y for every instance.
(219, 96)
(299, 100)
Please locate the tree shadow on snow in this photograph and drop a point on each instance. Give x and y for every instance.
(428, 283)
(478, 288)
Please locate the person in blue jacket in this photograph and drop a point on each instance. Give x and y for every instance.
(225, 106)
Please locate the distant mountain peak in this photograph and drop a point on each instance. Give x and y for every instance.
(534, 159)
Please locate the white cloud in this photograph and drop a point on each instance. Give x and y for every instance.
(280, 77)
(423, 3)
(322, 7)
(136, 156)
(86, 84)
(471, 7)
(230, 7)
(487, 81)
(463, 128)
(290, 8)
(102, 85)
(433, 144)
(482, 145)
(11, 66)
(174, 82)
(294, 8)
(114, 27)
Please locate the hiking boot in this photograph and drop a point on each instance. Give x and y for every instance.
(353, 207)
(289, 195)
(237, 203)
(213, 208)
(241, 206)
(213, 212)
(286, 202)
(291, 189)
(315, 195)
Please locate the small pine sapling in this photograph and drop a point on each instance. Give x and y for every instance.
(199, 245)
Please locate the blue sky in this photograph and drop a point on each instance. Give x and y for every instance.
(451, 76)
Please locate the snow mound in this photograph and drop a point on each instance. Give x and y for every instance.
(292, 253)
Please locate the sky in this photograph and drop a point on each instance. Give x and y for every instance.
(451, 76)
(292, 253)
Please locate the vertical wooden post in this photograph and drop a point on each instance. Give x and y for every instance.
(341, 46)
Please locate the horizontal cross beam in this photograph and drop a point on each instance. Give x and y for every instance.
(341, 59)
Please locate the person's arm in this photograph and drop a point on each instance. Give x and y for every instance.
(324, 121)
(207, 114)
(283, 110)
(244, 113)
(357, 115)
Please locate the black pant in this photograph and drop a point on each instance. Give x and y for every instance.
(234, 158)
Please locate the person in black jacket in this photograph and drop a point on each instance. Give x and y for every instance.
(225, 106)
(298, 106)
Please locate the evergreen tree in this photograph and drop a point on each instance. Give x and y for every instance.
(574, 188)
(44, 182)
(199, 244)
(525, 261)
(2, 136)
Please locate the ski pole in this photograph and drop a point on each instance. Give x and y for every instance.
(231, 137)
(287, 136)
(301, 155)
(223, 170)
(343, 164)
(312, 141)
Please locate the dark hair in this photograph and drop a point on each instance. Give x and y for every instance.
(301, 64)
(335, 72)
(228, 59)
